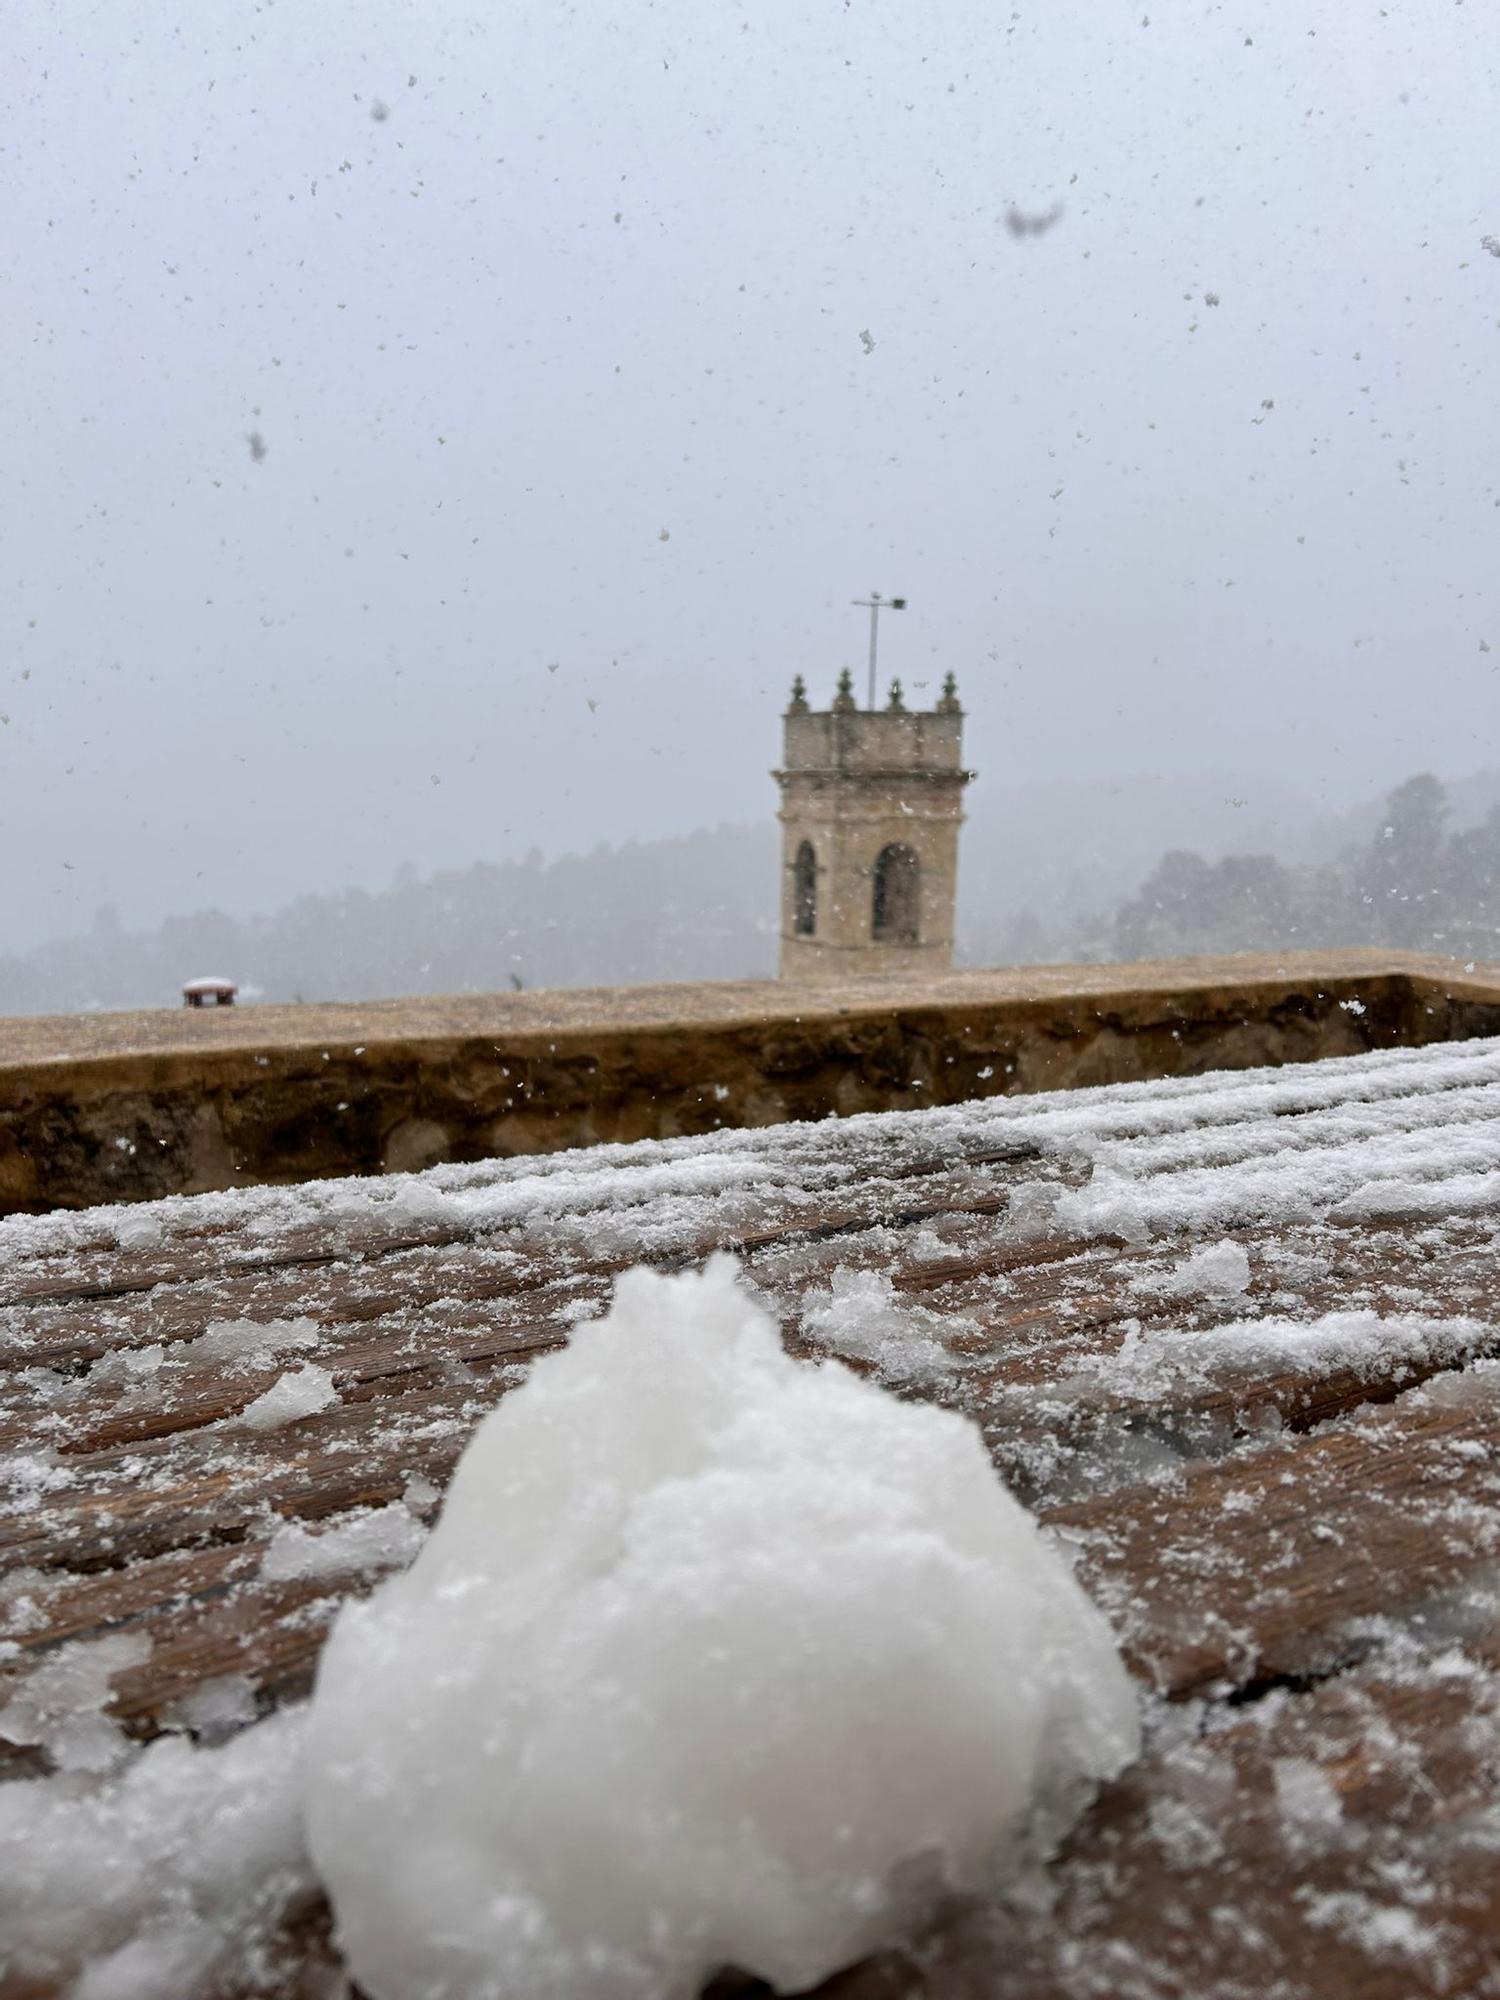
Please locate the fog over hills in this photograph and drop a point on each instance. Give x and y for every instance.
(437, 431)
(1050, 871)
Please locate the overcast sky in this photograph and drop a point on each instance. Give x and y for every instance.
(599, 355)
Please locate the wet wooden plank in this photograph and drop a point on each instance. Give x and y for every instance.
(813, 1187)
(139, 1496)
(1037, 1307)
(1325, 1843)
(1317, 1844)
(1265, 1564)
(1268, 1564)
(1258, 1525)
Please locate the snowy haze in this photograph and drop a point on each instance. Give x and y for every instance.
(434, 433)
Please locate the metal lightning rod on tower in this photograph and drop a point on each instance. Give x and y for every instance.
(875, 604)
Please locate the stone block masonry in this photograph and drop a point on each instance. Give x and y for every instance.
(128, 1107)
(871, 805)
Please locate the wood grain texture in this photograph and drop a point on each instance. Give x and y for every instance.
(1298, 1545)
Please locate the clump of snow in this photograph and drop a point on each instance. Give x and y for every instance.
(1032, 1210)
(1110, 1205)
(861, 1317)
(127, 1367)
(1380, 1930)
(143, 1883)
(926, 1246)
(714, 1657)
(1420, 1200)
(1218, 1270)
(1152, 1365)
(30, 1474)
(373, 1538)
(418, 1201)
(141, 1230)
(60, 1705)
(215, 1709)
(302, 1392)
(20, 1591)
(240, 1345)
(1186, 1839)
(1310, 1809)
(1353, 1164)
(419, 1494)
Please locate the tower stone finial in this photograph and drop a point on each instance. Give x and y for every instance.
(895, 705)
(948, 701)
(843, 701)
(798, 703)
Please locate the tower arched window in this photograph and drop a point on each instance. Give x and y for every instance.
(805, 891)
(898, 882)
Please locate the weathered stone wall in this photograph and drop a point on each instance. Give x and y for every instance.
(133, 1106)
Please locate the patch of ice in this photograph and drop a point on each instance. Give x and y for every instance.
(60, 1706)
(144, 1883)
(860, 1316)
(300, 1393)
(713, 1657)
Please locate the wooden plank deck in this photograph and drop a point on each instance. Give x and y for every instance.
(1294, 1523)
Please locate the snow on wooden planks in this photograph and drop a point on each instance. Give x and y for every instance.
(1231, 1336)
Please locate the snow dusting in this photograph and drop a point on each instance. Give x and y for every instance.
(146, 1883)
(721, 1655)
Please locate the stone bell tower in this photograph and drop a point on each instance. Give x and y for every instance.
(871, 804)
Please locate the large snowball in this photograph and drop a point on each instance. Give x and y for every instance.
(714, 1658)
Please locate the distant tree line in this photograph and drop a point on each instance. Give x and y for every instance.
(706, 907)
(696, 908)
(1415, 885)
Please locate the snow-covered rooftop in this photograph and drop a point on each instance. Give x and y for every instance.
(1232, 1339)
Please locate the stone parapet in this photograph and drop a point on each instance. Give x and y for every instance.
(129, 1107)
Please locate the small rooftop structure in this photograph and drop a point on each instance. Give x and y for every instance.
(202, 992)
